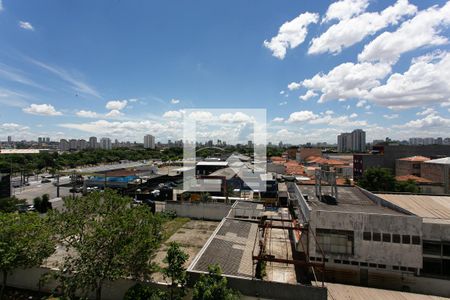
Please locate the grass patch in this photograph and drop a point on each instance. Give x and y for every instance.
(171, 226)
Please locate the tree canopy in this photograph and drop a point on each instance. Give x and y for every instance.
(25, 241)
(107, 238)
(213, 286)
(175, 270)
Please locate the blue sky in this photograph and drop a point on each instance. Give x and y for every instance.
(73, 69)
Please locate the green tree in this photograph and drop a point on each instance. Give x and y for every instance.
(10, 204)
(109, 239)
(141, 291)
(377, 179)
(213, 286)
(175, 270)
(25, 241)
(408, 186)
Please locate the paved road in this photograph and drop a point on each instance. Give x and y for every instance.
(37, 189)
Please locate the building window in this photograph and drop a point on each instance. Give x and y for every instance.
(406, 239)
(373, 265)
(363, 264)
(446, 250)
(432, 266)
(380, 266)
(387, 237)
(432, 248)
(337, 261)
(367, 236)
(335, 241)
(396, 238)
(355, 263)
(415, 240)
(376, 236)
(395, 267)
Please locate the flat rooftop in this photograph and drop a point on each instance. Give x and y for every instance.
(231, 246)
(425, 206)
(350, 199)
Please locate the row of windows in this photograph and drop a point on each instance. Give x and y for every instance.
(364, 264)
(391, 238)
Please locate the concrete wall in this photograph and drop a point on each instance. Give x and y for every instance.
(203, 211)
(401, 281)
(269, 290)
(29, 279)
(387, 253)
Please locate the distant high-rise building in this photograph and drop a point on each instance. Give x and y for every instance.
(9, 139)
(358, 140)
(105, 143)
(47, 140)
(73, 144)
(149, 141)
(93, 142)
(439, 141)
(428, 141)
(64, 145)
(40, 140)
(416, 141)
(82, 144)
(354, 141)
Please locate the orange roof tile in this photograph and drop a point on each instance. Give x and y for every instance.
(415, 158)
(412, 177)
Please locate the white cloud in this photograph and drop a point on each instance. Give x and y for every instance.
(278, 120)
(41, 110)
(116, 104)
(428, 122)
(294, 86)
(12, 98)
(114, 113)
(348, 80)
(173, 114)
(353, 115)
(283, 103)
(329, 112)
(87, 114)
(345, 9)
(201, 116)
(421, 31)
(282, 92)
(427, 111)
(361, 103)
(1, 5)
(237, 117)
(26, 25)
(427, 81)
(174, 101)
(337, 121)
(291, 34)
(309, 94)
(368, 107)
(390, 117)
(302, 116)
(350, 31)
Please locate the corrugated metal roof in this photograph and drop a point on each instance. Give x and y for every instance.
(425, 206)
(415, 158)
(444, 161)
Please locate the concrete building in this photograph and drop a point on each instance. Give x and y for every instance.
(93, 142)
(437, 170)
(149, 141)
(82, 144)
(64, 145)
(9, 139)
(409, 165)
(105, 144)
(388, 154)
(73, 144)
(395, 242)
(352, 142)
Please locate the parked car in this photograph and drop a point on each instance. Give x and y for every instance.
(45, 180)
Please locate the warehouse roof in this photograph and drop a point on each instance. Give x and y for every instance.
(425, 206)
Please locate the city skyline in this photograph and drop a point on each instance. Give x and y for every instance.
(288, 60)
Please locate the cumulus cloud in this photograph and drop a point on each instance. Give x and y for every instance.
(302, 116)
(114, 113)
(337, 121)
(291, 34)
(87, 114)
(26, 25)
(309, 94)
(41, 110)
(174, 101)
(427, 111)
(283, 103)
(116, 104)
(347, 80)
(361, 103)
(421, 31)
(237, 117)
(428, 122)
(173, 114)
(278, 120)
(350, 31)
(345, 9)
(427, 81)
(294, 86)
(390, 117)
